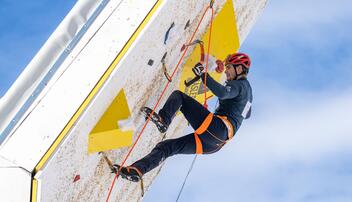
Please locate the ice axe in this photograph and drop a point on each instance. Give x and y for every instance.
(201, 44)
(219, 68)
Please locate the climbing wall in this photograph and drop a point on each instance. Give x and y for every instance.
(94, 103)
(142, 84)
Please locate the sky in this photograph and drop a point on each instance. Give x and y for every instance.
(297, 146)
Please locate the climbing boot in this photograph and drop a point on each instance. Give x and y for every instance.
(155, 118)
(130, 173)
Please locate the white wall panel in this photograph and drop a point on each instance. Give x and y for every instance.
(15, 184)
(54, 111)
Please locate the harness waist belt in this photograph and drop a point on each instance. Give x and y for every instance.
(229, 126)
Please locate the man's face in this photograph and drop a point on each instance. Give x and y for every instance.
(231, 71)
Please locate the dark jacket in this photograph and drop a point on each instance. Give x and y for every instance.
(235, 99)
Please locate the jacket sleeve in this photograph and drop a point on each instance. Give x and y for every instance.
(222, 92)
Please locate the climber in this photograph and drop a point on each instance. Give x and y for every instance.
(212, 130)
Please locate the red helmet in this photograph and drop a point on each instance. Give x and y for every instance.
(239, 59)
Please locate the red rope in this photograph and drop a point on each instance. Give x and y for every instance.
(205, 98)
(207, 63)
(156, 105)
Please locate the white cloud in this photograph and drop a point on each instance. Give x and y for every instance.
(290, 14)
(307, 20)
(308, 50)
(280, 156)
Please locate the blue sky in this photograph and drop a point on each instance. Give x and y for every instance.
(298, 143)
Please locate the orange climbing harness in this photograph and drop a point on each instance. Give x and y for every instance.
(164, 90)
(202, 128)
(205, 125)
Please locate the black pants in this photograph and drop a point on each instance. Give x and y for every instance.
(212, 139)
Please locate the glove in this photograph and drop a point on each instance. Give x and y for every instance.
(220, 66)
(198, 69)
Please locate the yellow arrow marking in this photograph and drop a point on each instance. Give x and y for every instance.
(107, 135)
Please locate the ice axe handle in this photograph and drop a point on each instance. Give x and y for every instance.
(192, 81)
(108, 161)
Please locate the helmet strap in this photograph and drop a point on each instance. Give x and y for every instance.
(243, 73)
